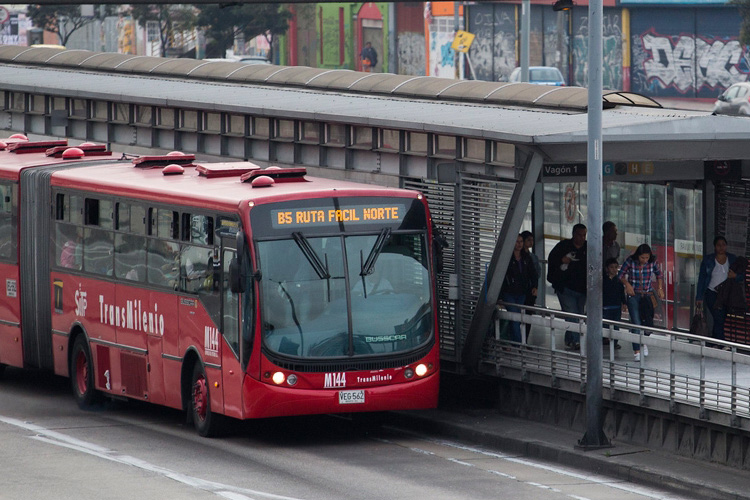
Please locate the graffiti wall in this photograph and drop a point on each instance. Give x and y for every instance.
(411, 54)
(410, 39)
(686, 53)
(493, 52)
(611, 49)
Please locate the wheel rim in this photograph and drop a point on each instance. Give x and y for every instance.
(82, 373)
(200, 397)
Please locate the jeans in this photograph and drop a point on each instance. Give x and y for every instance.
(635, 315)
(515, 326)
(572, 302)
(719, 315)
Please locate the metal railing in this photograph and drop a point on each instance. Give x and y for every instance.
(682, 370)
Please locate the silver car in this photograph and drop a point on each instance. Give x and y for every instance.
(540, 75)
(734, 101)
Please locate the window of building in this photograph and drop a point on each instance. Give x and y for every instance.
(390, 139)
(361, 137)
(474, 150)
(121, 112)
(188, 120)
(284, 130)
(416, 143)
(335, 135)
(235, 125)
(445, 146)
(212, 122)
(309, 132)
(165, 117)
(503, 153)
(261, 128)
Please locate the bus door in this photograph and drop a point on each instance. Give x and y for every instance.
(233, 373)
(10, 307)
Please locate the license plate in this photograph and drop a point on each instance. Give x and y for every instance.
(351, 397)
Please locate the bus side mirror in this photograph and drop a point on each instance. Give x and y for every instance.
(235, 277)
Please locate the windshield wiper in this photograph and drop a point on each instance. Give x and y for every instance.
(312, 256)
(375, 251)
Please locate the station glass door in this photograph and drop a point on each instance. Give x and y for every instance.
(666, 216)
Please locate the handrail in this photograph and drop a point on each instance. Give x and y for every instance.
(709, 383)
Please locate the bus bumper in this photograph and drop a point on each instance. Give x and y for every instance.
(261, 400)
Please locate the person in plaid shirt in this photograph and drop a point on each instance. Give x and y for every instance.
(636, 274)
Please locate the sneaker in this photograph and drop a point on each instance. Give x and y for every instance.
(637, 356)
(645, 350)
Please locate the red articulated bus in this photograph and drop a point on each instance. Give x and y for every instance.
(222, 289)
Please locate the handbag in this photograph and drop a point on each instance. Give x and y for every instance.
(698, 325)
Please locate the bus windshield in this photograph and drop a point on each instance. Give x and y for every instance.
(345, 295)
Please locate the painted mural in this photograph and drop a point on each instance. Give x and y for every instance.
(693, 54)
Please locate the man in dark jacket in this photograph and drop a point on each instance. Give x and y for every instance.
(369, 58)
(567, 274)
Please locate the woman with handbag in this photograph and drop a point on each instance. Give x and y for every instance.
(636, 274)
(715, 270)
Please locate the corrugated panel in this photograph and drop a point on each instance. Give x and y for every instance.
(441, 200)
(484, 204)
(36, 302)
(737, 326)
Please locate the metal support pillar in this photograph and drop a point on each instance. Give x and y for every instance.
(594, 437)
(489, 293)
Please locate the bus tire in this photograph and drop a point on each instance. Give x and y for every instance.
(82, 374)
(206, 422)
(2, 370)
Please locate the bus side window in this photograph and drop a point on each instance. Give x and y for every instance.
(130, 257)
(68, 246)
(196, 268)
(98, 249)
(7, 219)
(163, 264)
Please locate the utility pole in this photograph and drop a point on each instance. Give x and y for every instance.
(594, 437)
(525, 29)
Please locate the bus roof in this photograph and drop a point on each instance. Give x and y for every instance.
(226, 192)
(12, 162)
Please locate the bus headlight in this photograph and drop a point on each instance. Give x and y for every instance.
(408, 373)
(278, 378)
(421, 370)
(291, 379)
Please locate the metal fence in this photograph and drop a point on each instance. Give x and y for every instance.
(682, 374)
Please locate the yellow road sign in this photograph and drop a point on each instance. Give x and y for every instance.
(463, 40)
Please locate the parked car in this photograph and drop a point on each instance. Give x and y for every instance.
(253, 60)
(541, 75)
(242, 59)
(734, 101)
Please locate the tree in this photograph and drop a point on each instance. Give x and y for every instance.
(744, 7)
(62, 20)
(171, 19)
(224, 24)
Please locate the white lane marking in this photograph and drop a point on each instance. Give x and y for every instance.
(592, 478)
(58, 439)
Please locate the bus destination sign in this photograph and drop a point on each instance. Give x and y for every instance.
(318, 217)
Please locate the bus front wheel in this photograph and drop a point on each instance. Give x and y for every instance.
(206, 422)
(82, 374)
